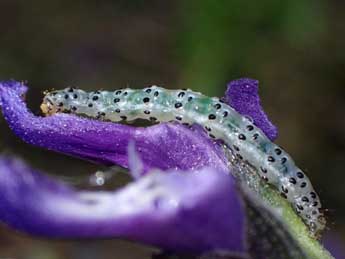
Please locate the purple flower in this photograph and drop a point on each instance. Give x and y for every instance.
(190, 204)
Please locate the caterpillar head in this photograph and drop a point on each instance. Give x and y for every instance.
(58, 101)
(51, 102)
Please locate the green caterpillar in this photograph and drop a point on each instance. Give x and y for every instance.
(220, 121)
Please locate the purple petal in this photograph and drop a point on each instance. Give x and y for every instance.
(242, 95)
(335, 244)
(162, 146)
(180, 211)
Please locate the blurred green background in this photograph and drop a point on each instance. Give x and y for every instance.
(295, 48)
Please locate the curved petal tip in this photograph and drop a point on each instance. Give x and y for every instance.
(16, 86)
(242, 95)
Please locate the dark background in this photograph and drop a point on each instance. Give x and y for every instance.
(295, 49)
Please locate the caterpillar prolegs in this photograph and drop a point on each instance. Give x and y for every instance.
(219, 120)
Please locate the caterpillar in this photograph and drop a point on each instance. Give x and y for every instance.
(219, 120)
